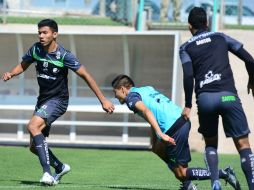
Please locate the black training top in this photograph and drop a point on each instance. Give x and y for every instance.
(205, 58)
(52, 70)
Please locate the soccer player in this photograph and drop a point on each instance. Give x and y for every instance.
(205, 58)
(170, 126)
(52, 62)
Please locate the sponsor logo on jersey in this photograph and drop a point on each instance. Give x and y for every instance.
(209, 78)
(45, 76)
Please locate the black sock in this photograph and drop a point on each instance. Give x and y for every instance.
(54, 162)
(42, 150)
(202, 174)
(211, 159)
(197, 174)
(247, 163)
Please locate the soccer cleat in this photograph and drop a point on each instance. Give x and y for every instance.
(58, 176)
(191, 186)
(47, 179)
(231, 179)
(216, 185)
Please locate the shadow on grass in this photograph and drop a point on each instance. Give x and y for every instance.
(132, 187)
(33, 183)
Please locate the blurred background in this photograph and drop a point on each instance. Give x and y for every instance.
(136, 37)
(230, 12)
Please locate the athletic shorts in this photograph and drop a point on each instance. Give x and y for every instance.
(179, 154)
(50, 111)
(211, 105)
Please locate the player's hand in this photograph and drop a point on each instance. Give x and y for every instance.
(108, 106)
(186, 113)
(250, 87)
(6, 76)
(167, 138)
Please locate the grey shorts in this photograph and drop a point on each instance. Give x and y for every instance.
(50, 111)
(211, 105)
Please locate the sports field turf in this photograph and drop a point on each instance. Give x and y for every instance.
(101, 169)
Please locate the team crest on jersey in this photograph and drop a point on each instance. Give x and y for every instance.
(45, 65)
(209, 78)
(58, 54)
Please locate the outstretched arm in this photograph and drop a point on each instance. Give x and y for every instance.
(106, 104)
(249, 63)
(148, 115)
(20, 68)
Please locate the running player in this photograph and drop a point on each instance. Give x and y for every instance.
(205, 58)
(169, 126)
(52, 62)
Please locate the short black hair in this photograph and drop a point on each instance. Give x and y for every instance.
(198, 18)
(122, 80)
(50, 23)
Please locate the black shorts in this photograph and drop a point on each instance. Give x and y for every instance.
(211, 105)
(50, 111)
(179, 154)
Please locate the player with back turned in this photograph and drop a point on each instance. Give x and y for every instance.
(205, 60)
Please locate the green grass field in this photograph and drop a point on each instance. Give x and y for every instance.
(101, 169)
(100, 21)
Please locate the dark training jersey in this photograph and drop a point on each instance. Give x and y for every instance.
(205, 58)
(52, 70)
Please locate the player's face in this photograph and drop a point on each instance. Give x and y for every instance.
(120, 95)
(46, 35)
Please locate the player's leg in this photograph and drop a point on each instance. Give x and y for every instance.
(54, 161)
(35, 127)
(247, 159)
(158, 147)
(50, 111)
(54, 109)
(236, 126)
(178, 156)
(208, 113)
(211, 157)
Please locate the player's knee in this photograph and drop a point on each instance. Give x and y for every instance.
(30, 128)
(33, 129)
(180, 175)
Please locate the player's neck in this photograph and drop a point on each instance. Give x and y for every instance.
(51, 47)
